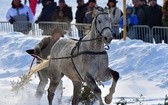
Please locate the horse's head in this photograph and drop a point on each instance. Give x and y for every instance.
(103, 27)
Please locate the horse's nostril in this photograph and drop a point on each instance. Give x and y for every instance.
(105, 38)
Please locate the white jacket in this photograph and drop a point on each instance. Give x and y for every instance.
(12, 12)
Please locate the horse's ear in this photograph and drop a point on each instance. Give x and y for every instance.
(98, 10)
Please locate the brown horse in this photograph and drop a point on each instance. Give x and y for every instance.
(83, 61)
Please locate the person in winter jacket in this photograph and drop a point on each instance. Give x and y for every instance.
(115, 14)
(79, 16)
(20, 16)
(47, 15)
(42, 49)
(154, 18)
(63, 13)
(131, 19)
(140, 10)
(91, 11)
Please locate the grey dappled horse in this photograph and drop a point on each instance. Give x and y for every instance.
(83, 61)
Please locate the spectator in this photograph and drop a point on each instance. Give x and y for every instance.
(91, 11)
(79, 16)
(47, 15)
(141, 12)
(63, 13)
(42, 49)
(44, 2)
(20, 16)
(115, 14)
(154, 18)
(165, 20)
(131, 19)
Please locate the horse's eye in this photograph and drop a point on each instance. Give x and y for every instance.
(99, 21)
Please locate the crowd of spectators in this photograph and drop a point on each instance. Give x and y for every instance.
(142, 12)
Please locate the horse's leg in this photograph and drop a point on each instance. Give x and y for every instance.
(76, 92)
(43, 76)
(55, 78)
(91, 82)
(115, 76)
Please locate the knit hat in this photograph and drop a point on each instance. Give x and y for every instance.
(92, 1)
(130, 8)
(58, 30)
(61, 1)
(112, 1)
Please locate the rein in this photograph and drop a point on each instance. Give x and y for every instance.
(80, 53)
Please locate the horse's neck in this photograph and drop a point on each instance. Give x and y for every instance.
(94, 44)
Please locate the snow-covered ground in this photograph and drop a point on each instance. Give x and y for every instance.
(143, 69)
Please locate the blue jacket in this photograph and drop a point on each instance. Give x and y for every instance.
(130, 20)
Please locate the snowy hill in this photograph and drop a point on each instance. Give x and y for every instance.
(142, 67)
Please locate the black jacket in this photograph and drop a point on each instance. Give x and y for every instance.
(80, 13)
(67, 11)
(154, 17)
(47, 12)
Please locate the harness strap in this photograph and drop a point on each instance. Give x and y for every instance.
(80, 53)
(85, 40)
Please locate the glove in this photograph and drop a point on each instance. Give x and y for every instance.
(37, 51)
(11, 21)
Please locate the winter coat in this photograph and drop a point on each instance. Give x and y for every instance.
(80, 13)
(130, 20)
(154, 17)
(67, 12)
(18, 15)
(45, 46)
(47, 13)
(140, 13)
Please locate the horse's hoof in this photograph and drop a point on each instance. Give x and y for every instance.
(108, 99)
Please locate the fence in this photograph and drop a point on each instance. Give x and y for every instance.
(141, 32)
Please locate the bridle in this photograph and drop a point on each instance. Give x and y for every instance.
(100, 32)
